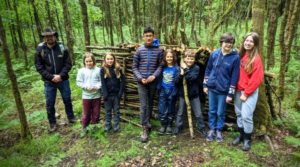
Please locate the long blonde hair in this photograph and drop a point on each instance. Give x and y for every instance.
(115, 64)
(254, 52)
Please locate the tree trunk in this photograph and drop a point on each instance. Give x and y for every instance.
(13, 33)
(94, 31)
(49, 15)
(25, 132)
(262, 118)
(31, 27)
(120, 11)
(58, 23)
(68, 29)
(85, 22)
(160, 18)
(38, 24)
(175, 24)
(272, 27)
(20, 35)
(289, 33)
(135, 20)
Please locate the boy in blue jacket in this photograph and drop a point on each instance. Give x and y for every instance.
(221, 76)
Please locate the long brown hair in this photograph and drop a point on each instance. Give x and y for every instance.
(254, 52)
(115, 64)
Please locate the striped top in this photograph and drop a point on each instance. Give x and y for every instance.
(146, 62)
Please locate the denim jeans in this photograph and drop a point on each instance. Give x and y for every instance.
(216, 111)
(196, 108)
(244, 110)
(166, 107)
(50, 93)
(112, 104)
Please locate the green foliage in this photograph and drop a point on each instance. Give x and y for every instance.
(292, 121)
(105, 161)
(227, 156)
(27, 154)
(293, 141)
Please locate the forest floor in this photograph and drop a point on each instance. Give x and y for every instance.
(67, 147)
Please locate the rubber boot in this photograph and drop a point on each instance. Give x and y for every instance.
(144, 136)
(247, 140)
(240, 138)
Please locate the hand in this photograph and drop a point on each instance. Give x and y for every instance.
(183, 65)
(144, 81)
(205, 90)
(56, 79)
(151, 78)
(243, 97)
(181, 71)
(228, 99)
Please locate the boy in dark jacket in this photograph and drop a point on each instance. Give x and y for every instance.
(191, 72)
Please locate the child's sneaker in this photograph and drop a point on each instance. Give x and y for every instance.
(210, 135)
(169, 130)
(107, 128)
(162, 130)
(53, 128)
(219, 137)
(83, 132)
(202, 132)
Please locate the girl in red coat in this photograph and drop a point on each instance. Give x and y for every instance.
(251, 76)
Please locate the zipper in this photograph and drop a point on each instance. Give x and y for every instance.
(53, 61)
(148, 63)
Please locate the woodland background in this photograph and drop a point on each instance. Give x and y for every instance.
(80, 23)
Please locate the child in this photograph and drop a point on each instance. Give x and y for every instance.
(191, 73)
(221, 76)
(88, 79)
(113, 82)
(167, 89)
(251, 76)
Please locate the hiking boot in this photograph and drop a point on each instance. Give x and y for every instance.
(144, 136)
(169, 130)
(219, 136)
(202, 132)
(53, 128)
(116, 129)
(210, 135)
(72, 120)
(162, 130)
(240, 138)
(247, 140)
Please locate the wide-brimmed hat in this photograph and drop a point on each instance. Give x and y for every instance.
(48, 32)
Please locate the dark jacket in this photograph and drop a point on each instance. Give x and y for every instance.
(50, 61)
(176, 81)
(192, 80)
(222, 72)
(146, 62)
(112, 86)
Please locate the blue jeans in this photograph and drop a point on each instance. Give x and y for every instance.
(216, 113)
(244, 110)
(166, 107)
(146, 94)
(50, 93)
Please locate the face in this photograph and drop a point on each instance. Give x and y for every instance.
(89, 62)
(189, 61)
(148, 38)
(227, 46)
(50, 39)
(109, 60)
(169, 58)
(248, 43)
